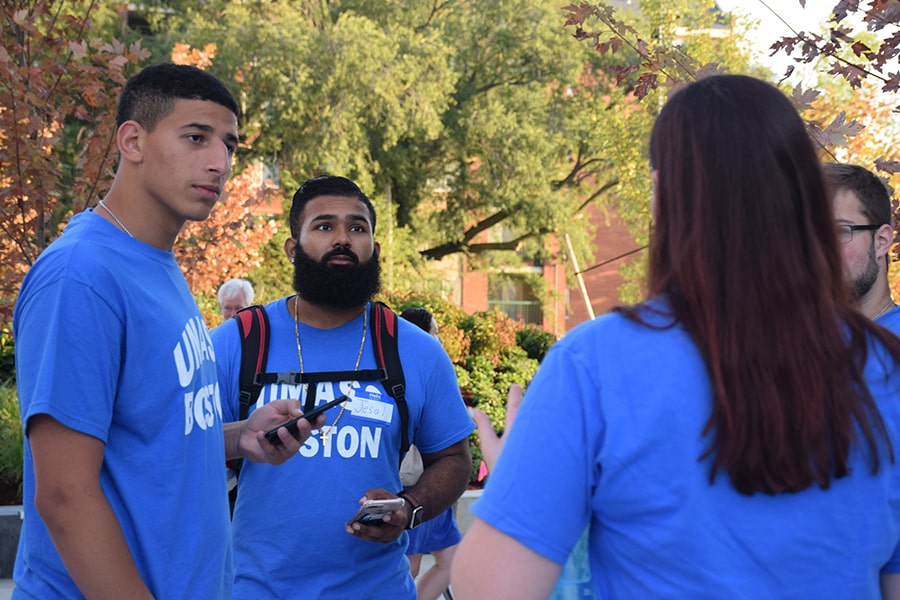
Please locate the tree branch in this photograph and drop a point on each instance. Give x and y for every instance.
(599, 192)
(449, 248)
(436, 7)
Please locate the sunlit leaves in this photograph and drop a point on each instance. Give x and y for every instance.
(228, 243)
(57, 97)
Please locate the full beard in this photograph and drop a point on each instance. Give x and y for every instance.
(869, 276)
(339, 286)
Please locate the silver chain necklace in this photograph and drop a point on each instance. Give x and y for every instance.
(115, 218)
(890, 304)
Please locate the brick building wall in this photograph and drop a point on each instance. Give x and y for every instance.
(564, 307)
(612, 239)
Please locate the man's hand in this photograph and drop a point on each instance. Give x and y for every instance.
(248, 439)
(392, 525)
(491, 443)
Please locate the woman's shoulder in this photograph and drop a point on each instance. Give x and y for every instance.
(651, 319)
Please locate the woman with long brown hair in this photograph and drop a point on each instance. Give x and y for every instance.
(734, 435)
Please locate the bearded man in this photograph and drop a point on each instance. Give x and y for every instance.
(864, 216)
(315, 552)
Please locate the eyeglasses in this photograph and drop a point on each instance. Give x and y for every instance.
(845, 232)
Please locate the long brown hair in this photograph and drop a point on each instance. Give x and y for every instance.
(744, 248)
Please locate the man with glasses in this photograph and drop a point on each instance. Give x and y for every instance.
(863, 211)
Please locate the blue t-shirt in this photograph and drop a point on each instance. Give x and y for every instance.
(289, 534)
(438, 533)
(610, 434)
(890, 320)
(110, 343)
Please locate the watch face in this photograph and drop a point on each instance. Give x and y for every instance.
(416, 518)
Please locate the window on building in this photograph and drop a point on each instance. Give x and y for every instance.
(513, 296)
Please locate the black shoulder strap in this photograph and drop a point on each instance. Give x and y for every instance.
(387, 357)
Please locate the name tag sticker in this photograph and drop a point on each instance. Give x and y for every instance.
(373, 410)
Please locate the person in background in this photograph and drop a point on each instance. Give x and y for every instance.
(575, 578)
(440, 535)
(491, 444)
(862, 209)
(753, 453)
(124, 486)
(234, 295)
(325, 328)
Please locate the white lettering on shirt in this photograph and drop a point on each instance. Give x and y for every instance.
(202, 402)
(347, 441)
(194, 348)
(203, 408)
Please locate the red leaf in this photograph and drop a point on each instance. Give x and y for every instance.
(578, 14)
(888, 166)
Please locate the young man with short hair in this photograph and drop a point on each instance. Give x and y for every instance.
(124, 480)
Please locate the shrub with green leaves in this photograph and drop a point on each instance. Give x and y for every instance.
(7, 355)
(490, 352)
(535, 341)
(11, 438)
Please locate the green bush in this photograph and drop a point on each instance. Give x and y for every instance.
(11, 439)
(7, 355)
(535, 341)
(490, 352)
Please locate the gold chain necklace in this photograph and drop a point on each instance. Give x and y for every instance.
(324, 433)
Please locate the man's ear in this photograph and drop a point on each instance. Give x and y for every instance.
(377, 251)
(290, 248)
(129, 140)
(884, 239)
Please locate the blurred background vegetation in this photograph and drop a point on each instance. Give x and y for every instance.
(11, 437)
(485, 131)
(490, 352)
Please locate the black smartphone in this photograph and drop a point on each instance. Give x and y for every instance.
(291, 425)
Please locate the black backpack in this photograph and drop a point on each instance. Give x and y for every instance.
(253, 325)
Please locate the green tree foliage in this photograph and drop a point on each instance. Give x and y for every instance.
(12, 444)
(489, 350)
(7, 355)
(481, 127)
(859, 47)
(668, 43)
(534, 341)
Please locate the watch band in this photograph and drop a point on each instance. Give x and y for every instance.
(415, 517)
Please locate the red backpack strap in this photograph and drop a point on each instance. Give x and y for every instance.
(387, 357)
(253, 325)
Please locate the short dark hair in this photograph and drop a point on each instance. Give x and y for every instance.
(873, 195)
(150, 94)
(418, 316)
(326, 185)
